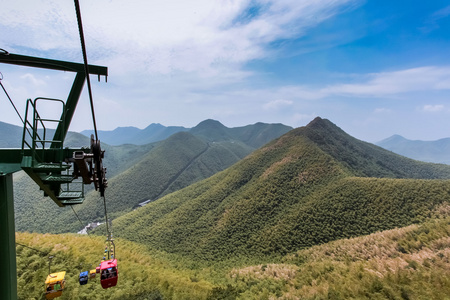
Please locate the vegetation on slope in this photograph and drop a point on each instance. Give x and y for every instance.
(365, 159)
(293, 193)
(141, 276)
(403, 263)
(33, 210)
(144, 173)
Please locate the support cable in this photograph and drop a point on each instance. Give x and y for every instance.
(106, 217)
(86, 66)
(109, 233)
(33, 248)
(10, 100)
(79, 220)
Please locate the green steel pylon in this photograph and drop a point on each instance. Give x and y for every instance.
(13, 160)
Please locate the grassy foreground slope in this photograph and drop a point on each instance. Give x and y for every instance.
(141, 276)
(404, 263)
(412, 262)
(313, 185)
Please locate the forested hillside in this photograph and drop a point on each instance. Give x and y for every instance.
(143, 173)
(313, 185)
(406, 263)
(280, 223)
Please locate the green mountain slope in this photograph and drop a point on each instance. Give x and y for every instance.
(310, 186)
(141, 275)
(405, 263)
(139, 174)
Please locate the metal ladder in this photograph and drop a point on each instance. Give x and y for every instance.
(45, 160)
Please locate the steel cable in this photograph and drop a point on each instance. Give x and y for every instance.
(86, 66)
(10, 100)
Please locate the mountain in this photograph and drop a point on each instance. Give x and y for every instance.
(312, 185)
(429, 151)
(314, 214)
(254, 135)
(138, 174)
(10, 136)
(132, 135)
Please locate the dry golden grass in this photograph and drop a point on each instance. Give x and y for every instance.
(366, 265)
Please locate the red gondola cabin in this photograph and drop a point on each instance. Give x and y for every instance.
(109, 273)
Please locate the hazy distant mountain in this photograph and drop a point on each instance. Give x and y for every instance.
(132, 135)
(10, 136)
(255, 135)
(312, 185)
(430, 151)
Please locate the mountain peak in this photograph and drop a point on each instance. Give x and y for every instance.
(393, 139)
(209, 123)
(318, 122)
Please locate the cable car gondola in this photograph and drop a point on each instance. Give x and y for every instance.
(92, 274)
(83, 279)
(54, 285)
(109, 273)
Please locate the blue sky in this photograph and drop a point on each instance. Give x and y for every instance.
(374, 68)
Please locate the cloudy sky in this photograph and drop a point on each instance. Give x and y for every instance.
(374, 68)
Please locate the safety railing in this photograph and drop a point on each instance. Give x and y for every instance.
(35, 133)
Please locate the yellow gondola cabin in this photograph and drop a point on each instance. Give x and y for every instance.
(92, 274)
(54, 285)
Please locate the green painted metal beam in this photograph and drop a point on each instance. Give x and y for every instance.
(8, 272)
(12, 160)
(52, 64)
(71, 104)
(77, 86)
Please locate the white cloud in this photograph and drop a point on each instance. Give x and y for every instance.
(163, 36)
(277, 104)
(433, 108)
(299, 119)
(30, 78)
(385, 84)
(382, 110)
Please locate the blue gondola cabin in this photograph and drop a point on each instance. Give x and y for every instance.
(84, 276)
(109, 273)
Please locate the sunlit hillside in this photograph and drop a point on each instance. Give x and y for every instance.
(143, 274)
(142, 173)
(313, 185)
(404, 263)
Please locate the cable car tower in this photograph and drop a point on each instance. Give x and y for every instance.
(44, 158)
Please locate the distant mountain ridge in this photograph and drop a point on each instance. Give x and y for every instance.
(430, 151)
(131, 135)
(209, 129)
